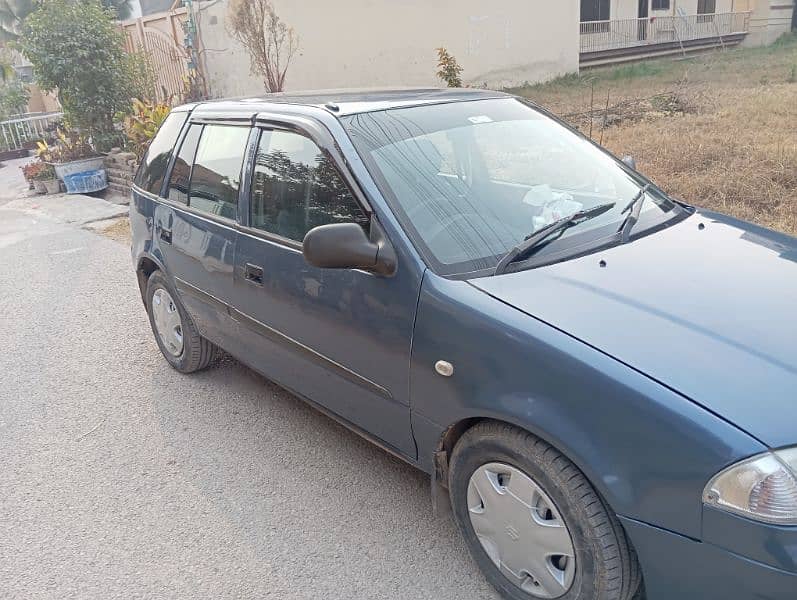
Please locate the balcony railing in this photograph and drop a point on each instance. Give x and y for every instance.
(21, 129)
(599, 36)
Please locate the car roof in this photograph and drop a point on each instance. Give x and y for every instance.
(347, 102)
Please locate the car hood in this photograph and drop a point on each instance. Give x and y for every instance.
(707, 307)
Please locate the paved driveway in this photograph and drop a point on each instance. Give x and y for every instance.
(121, 478)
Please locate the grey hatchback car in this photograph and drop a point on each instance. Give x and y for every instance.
(600, 380)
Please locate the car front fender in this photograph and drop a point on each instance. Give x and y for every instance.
(648, 450)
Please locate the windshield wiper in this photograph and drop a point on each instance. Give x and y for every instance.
(533, 241)
(635, 206)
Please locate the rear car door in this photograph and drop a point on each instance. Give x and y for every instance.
(195, 227)
(338, 337)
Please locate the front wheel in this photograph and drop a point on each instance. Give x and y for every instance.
(533, 523)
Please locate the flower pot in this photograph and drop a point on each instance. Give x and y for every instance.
(86, 183)
(53, 186)
(78, 166)
(39, 187)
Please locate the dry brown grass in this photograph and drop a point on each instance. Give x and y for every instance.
(719, 131)
(118, 231)
(739, 159)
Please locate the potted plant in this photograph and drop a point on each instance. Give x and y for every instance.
(30, 171)
(46, 179)
(72, 153)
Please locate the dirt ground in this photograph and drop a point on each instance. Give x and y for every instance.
(718, 130)
(118, 230)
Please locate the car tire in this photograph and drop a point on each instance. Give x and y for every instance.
(552, 492)
(194, 353)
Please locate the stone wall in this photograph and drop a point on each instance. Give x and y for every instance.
(120, 168)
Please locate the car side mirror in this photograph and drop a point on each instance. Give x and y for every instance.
(345, 246)
(630, 161)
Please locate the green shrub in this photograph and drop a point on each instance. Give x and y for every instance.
(448, 69)
(143, 123)
(14, 98)
(77, 49)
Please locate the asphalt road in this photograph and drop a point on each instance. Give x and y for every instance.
(120, 478)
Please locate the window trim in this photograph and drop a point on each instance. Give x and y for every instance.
(204, 122)
(303, 125)
(210, 218)
(167, 172)
(179, 148)
(321, 137)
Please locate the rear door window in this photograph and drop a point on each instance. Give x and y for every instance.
(180, 179)
(153, 167)
(216, 175)
(297, 187)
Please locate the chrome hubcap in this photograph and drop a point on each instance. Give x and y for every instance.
(521, 530)
(167, 322)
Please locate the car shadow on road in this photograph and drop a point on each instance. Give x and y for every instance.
(300, 486)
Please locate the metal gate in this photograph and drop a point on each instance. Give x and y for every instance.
(160, 38)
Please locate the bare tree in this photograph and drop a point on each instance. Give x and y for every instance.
(270, 42)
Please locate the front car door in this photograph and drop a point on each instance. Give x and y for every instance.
(338, 337)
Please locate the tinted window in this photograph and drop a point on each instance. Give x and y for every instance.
(216, 175)
(181, 171)
(153, 168)
(296, 187)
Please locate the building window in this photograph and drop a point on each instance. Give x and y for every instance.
(594, 10)
(595, 16)
(661, 5)
(706, 10)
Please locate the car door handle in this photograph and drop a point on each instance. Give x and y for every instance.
(165, 234)
(253, 274)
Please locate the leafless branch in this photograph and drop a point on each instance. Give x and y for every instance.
(271, 43)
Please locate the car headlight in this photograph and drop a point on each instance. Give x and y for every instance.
(763, 488)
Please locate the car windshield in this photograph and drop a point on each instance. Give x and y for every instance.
(471, 180)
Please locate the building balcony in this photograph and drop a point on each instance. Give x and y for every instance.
(630, 39)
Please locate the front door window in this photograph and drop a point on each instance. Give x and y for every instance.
(296, 187)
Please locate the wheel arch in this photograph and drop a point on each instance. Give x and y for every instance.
(454, 432)
(145, 267)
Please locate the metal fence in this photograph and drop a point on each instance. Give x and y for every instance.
(30, 127)
(597, 36)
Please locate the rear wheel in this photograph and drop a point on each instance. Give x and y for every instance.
(175, 332)
(533, 523)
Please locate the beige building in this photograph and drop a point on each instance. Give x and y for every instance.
(373, 43)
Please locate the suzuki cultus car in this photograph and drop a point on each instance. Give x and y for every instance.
(602, 379)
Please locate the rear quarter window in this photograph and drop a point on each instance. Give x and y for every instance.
(153, 168)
